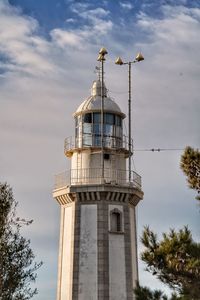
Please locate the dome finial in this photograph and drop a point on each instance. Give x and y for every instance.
(96, 88)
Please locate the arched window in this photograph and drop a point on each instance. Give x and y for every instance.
(116, 221)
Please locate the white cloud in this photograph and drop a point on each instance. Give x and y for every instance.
(70, 20)
(95, 17)
(174, 39)
(79, 7)
(63, 38)
(32, 54)
(19, 42)
(126, 5)
(98, 12)
(97, 27)
(47, 79)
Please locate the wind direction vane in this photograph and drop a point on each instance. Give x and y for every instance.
(98, 71)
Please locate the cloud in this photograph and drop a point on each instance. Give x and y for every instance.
(79, 7)
(43, 80)
(19, 42)
(174, 39)
(96, 13)
(96, 26)
(25, 51)
(126, 5)
(97, 18)
(70, 20)
(63, 38)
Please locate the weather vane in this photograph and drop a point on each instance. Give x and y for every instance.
(98, 71)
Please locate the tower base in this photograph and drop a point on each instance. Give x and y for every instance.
(98, 248)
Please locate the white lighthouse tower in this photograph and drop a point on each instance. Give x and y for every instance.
(98, 197)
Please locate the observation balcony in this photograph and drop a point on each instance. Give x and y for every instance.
(81, 177)
(94, 141)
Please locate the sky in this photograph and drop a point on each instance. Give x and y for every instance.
(48, 54)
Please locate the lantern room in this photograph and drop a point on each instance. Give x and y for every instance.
(88, 125)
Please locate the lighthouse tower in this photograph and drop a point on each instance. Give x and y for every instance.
(97, 196)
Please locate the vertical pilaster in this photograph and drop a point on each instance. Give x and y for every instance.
(134, 255)
(76, 251)
(103, 251)
(128, 254)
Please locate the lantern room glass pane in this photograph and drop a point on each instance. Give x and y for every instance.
(97, 129)
(109, 118)
(108, 130)
(87, 118)
(87, 128)
(96, 118)
(87, 140)
(118, 121)
(97, 140)
(118, 131)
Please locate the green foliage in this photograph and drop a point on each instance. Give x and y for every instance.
(175, 260)
(16, 257)
(190, 164)
(144, 293)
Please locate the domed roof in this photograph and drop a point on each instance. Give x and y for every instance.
(93, 103)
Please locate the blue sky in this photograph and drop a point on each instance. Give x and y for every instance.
(48, 52)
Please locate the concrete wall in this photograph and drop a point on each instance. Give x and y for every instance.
(89, 165)
(86, 159)
(66, 253)
(88, 253)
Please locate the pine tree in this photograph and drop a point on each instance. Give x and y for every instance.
(190, 164)
(17, 266)
(175, 260)
(144, 293)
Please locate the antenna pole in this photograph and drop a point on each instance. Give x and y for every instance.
(101, 58)
(120, 62)
(129, 119)
(102, 119)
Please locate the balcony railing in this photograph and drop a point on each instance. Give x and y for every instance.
(92, 140)
(93, 177)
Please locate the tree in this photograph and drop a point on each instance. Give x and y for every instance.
(144, 293)
(175, 260)
(17, 266)
(190, 164)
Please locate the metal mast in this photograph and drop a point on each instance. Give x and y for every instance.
(101, 58)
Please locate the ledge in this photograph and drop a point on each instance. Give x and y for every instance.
(93, 193)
